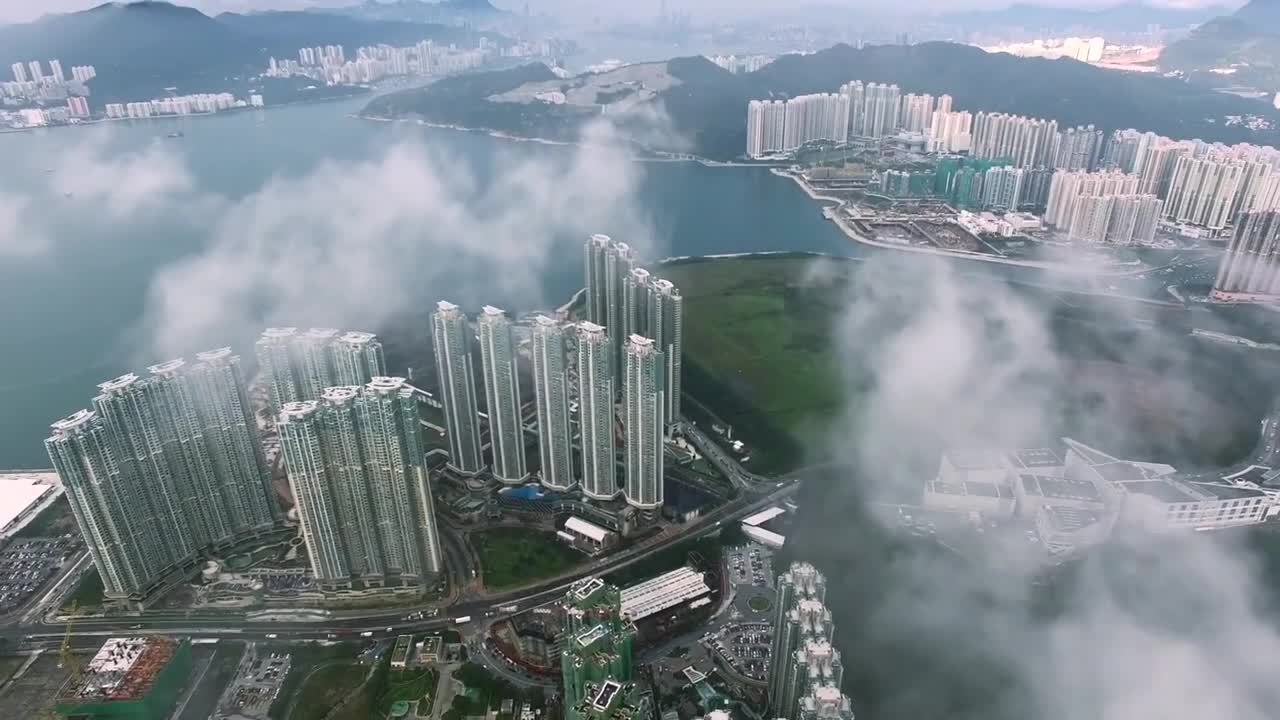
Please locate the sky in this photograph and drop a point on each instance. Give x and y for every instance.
(27, 10)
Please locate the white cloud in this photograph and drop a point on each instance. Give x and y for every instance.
(19, 235)
(359, 243)
(1152, 627)
(121, 183)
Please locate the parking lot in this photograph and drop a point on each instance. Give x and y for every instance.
(258, 680)
(744, 647)
(751, 564)
(26, 565)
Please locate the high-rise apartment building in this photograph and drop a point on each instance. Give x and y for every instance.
(950, 132)
(276, 351)
(299, 365)
(357, 358)
(356, 463)
(55, 71)
(502, 395)
(644, 405)
(636, 293)
(1027, 141)
(766, 125)
(1250, 268)
(1068, 187)
(596, 655)
(19, 72)
(825, 702)
(1002, 188)
(619, 261)
(917, 113)
(881, 105)
(666, 327)
(456, 374)
(856, 96)
(314, 358)
(815, 664)
(1203, 192)
(36, 73)
(596, 293)
(549, 352)
(820, 116)
(164, 469)
(1077, 148)
(799, 617)
(596, 412)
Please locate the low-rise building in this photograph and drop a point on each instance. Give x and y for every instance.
(587, 537)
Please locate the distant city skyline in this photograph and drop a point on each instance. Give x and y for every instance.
(21, 11)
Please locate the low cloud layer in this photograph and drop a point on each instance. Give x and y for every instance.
(359, 243)
(1150, 627)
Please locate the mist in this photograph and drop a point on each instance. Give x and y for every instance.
(1147, 626)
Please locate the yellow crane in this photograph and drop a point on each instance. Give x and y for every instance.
(64, 654)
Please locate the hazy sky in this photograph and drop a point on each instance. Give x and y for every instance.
(25, 10)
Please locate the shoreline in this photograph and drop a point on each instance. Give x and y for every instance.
(833, 214)
(663, 156)
(228, 111)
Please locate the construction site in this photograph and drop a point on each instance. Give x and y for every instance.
(135, 678)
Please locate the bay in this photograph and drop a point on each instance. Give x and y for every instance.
(69, 316)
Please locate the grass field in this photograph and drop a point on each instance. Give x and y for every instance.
(54, 520)
(89, 591)
(304, 659)
(9, 664)
(748, 323)
(512, 557)
(759, 603)
(407, 685)
(326, 688)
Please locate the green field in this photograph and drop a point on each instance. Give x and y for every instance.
(89, 591)
(54, 520)
(511, 557)
(749, 323)
(303, 659)
(327, 687)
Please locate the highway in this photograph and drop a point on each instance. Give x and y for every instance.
(383, 623)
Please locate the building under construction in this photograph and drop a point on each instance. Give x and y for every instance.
(128, 679)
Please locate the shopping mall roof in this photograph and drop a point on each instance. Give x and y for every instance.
(663, 592)
(1035, 458)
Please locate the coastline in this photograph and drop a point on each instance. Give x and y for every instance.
(654, 156)
(831, 206)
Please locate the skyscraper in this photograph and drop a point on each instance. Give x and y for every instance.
(635, 302)
(502, 395)
(357, 359)
(595, 412)
(276, 359)
(551, 390)
(666, 327)
(597, 293)
(1202, 192)
(800, 583)
(1028, 142)
(36, 73)
(55, 71)
(825, 702)
(356, 465)
(619, 260)
(181, 457)
(1250, 268)
(19, 72)
(643, 403)
(457, 386)
(314, 357)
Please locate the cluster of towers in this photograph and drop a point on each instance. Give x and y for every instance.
(805, 671)
(352, 443)
(643, 372)
(164, 469)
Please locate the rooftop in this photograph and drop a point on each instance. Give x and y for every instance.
(582, 527)
(72, 421)
(322, 333)
(1035, 458)
(975, 459)
(215, 354)
(1227, 492)
(277, 333)
(339, 393)
(763, 516)
(357, 337)
(19, 491)
(1051, 486)
(1161, 490)
(167, 367)
(663, 592)
(1064, 518)
(1118, 472)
